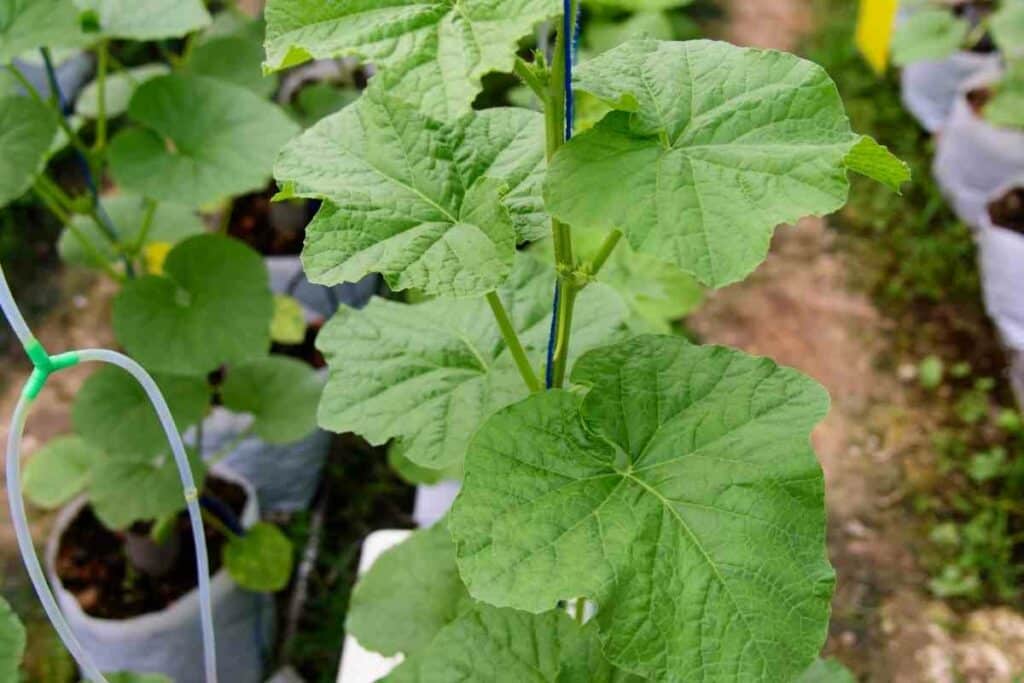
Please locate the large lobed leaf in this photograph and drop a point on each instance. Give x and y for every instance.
(430, 53)
(29, 24)
(225, 145)
(431, 206)
(681, 496)
(712, 148)
(412, 601)
(430, 374)
(27, 130)
(212, 306)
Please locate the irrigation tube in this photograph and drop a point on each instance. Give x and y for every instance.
(45, 365)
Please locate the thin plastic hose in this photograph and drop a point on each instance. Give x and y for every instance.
(191, 493)
(28, 551)
(20, 519)
(12, 313)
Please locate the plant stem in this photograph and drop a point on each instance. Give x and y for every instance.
(52, 203)
(101, 96)
(555, 128)
(64, 216)
(606, 250)
(580, 609)
(565, 312)
(515, 347)
(213, 521)
(147, 224)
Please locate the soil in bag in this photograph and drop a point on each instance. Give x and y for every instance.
(271, 230)
(1008, 211)
(92, 564)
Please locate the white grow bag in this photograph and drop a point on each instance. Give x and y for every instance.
(930, 89)
(974, 158)
(169, 641)
(1001, 256)
(285, 476)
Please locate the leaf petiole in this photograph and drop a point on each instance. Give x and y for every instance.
(515, 347)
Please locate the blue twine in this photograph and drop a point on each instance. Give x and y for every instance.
(570, 29)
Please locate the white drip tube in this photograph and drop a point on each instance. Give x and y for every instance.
(17, 503)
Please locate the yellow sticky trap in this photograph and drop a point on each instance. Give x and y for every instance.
(876, 22)
(155, 254)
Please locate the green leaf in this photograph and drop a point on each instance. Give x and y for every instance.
(27, 129)
(225, 146)
(875, 161)
(682, 496)
(128, 489)
(146, 19)
(288, 326)
(59, 471)
(211, 307)
(928, 35)
(699, 174)
(827, 671)
(261, 560)
(12, 643)
(119, 90)
(29, 24)
(506, 646)
(280, 393)
(112, 412)
(232, 59)
(1007, 26)
(170, 224)
(431, 373)
(430, 53)
(412, 592)
(1006, 108)
(415, 200)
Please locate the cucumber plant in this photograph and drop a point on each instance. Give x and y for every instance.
(668, 488)
(175, 136)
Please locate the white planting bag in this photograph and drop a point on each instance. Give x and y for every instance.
(929, 89)
(169, 641)
(974, 158)
(285, 476)
(1001, 256)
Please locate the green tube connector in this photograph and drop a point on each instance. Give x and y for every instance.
(45, 365)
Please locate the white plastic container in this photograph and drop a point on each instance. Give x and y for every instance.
(1001, 258)
(433, 502)
(929, 89)
(169, 641)
(359, 665)
(974, 158)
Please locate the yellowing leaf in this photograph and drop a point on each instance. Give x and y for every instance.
(288, 325)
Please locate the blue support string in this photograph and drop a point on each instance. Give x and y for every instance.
(570, 31)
